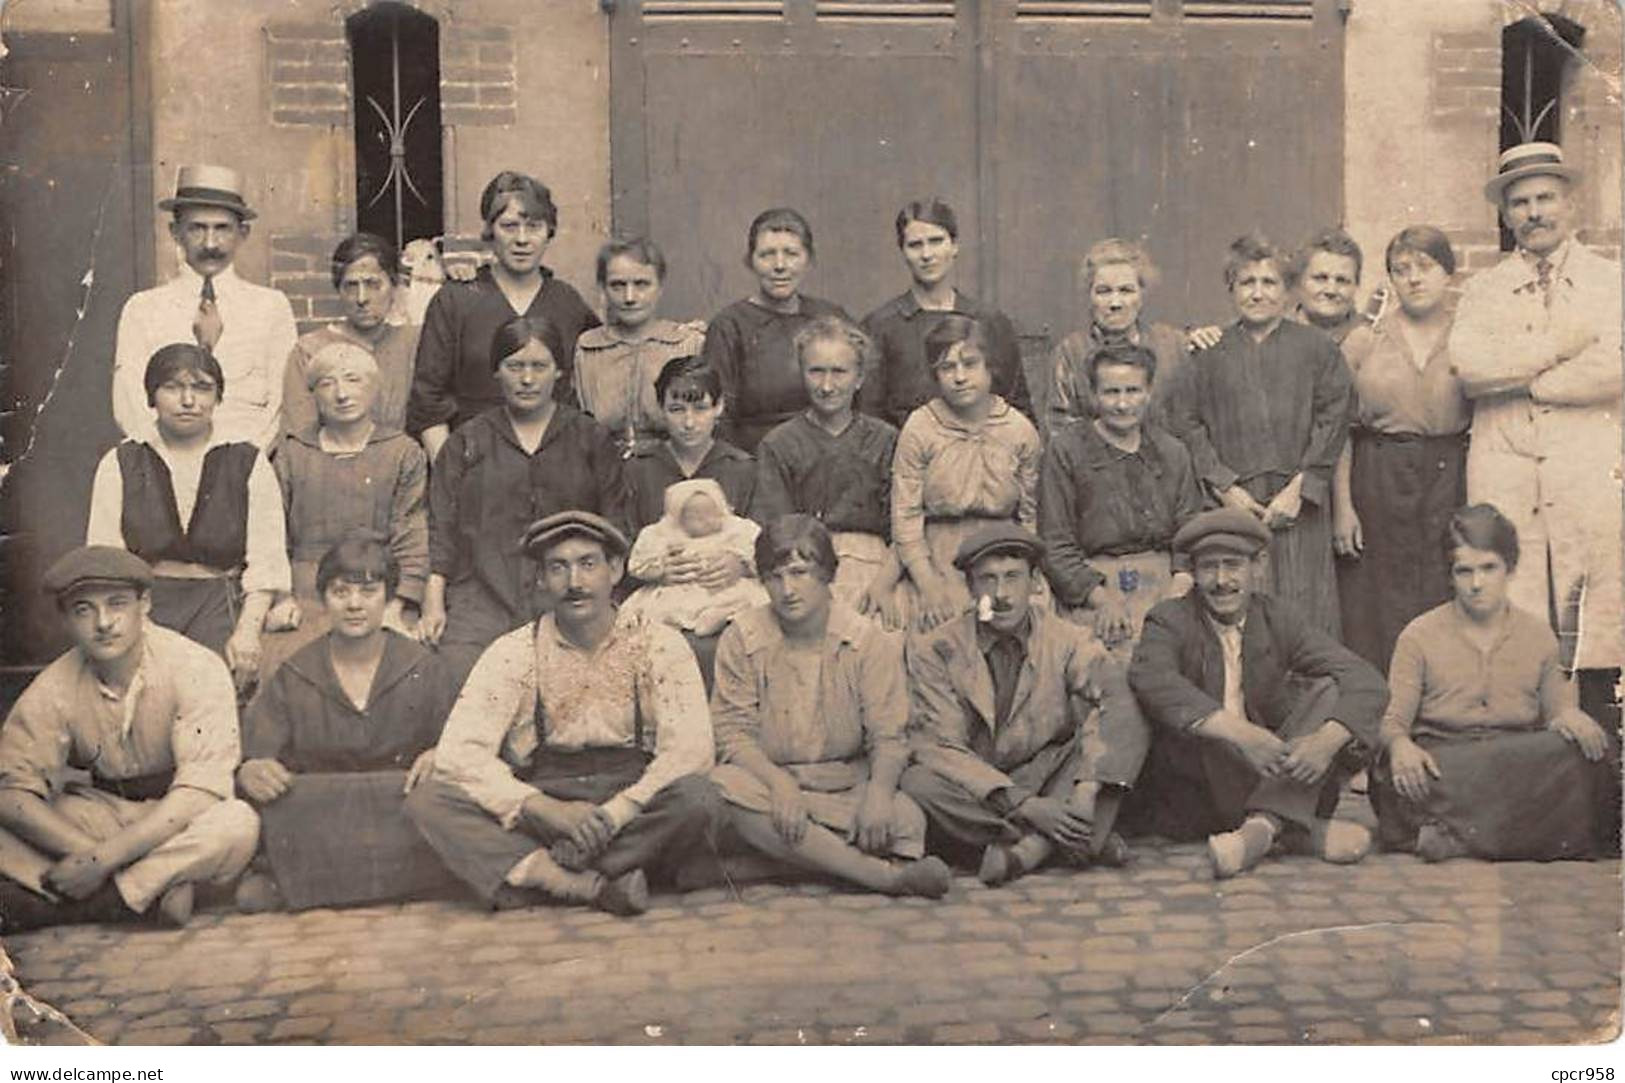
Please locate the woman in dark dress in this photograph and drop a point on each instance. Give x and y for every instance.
(751, 343)
(508, 467)
(901, 380)
(1403, 472)
(452, 381)
(329, 742)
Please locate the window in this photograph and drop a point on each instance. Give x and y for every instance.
(1536, 55)
(395, 66)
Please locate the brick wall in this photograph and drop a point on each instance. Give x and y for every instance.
(478, 79)
(300, 268)
(1466, 83)
(309, 74)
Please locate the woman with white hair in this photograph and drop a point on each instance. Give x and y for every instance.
(1114, 277)
(342, 473)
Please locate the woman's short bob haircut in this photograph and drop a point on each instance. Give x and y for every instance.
(791, 537)
(358, 246)
(779, 220)
(360, 556)
(179, 357)
(1333, 240)
(832, 328)
(933, 211)
(951, 331)
(1112, 250)
(1482, 526)
(1122, 353)
(1423, 240)
(520, 331)
(1252, 248)
(640, 249)
(534, 199)
(689, 379)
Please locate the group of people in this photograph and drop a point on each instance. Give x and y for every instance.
(535, 605)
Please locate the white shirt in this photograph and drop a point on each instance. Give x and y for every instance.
(265, 561)
(259, 335)
(1235, 701)
(589, 699)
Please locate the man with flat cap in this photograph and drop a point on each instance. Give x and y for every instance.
(116, 763)
(249, 329)
(1260, 717)
(1536, 344)
(573, 763)
(1012, 752)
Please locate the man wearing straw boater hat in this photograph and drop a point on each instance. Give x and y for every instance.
(1537, 346)
(249, 329)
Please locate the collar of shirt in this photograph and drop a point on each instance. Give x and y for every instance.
(759, 629)
(1221, 630)
(987, 636)
(1099, 336)
(166, 453)
(1098, 453)
(604, 336)
(190, 282)
(549, 633)
(1468, 626)
(909, 306)
(1559, 260)
(131, 695)
(949, 420)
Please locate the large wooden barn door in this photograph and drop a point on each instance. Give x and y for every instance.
(843, 110)
(1182, 124)
(1047, 124)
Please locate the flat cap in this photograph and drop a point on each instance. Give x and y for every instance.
(573, 524)
(1230, 529)
(96, 564)
(999, 537)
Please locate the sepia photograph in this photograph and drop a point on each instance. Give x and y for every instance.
(816, 523)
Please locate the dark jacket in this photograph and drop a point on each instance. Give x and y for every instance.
(1178, 668)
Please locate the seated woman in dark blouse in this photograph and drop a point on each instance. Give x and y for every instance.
(328, 742)
(1486, 753)
(751, 342)
(928, 238)
(452, 381)
(510, 466)
(834, 464)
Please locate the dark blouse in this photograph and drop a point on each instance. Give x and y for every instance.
(1098, 500)
(452, 379)
(903, 381)
(843, 481)
(1256, 413)
(303, 719)
(485, 490)
(753, 350)
(652, 469)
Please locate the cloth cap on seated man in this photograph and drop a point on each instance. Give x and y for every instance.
(1002, 538)
(96, 566)
(546, 532)
(1229, 529)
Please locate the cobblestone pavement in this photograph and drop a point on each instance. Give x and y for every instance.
(1298, 951)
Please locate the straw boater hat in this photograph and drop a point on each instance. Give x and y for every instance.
(208, 186)
(1528, 160)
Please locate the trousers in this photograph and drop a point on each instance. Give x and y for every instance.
(216, 846)
(680, 822)
(959, 824)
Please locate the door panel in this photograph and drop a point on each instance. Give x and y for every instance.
(1047, 124)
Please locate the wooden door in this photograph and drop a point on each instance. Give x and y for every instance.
(76, 213)
(842, 110)
(1047, 124)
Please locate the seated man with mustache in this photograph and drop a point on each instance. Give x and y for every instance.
(1237, 755)
(572, 765)
(1009, 741)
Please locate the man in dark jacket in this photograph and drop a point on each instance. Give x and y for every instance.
(1259, 717)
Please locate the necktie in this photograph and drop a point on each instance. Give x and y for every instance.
(207, 326)
(1543, 279)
